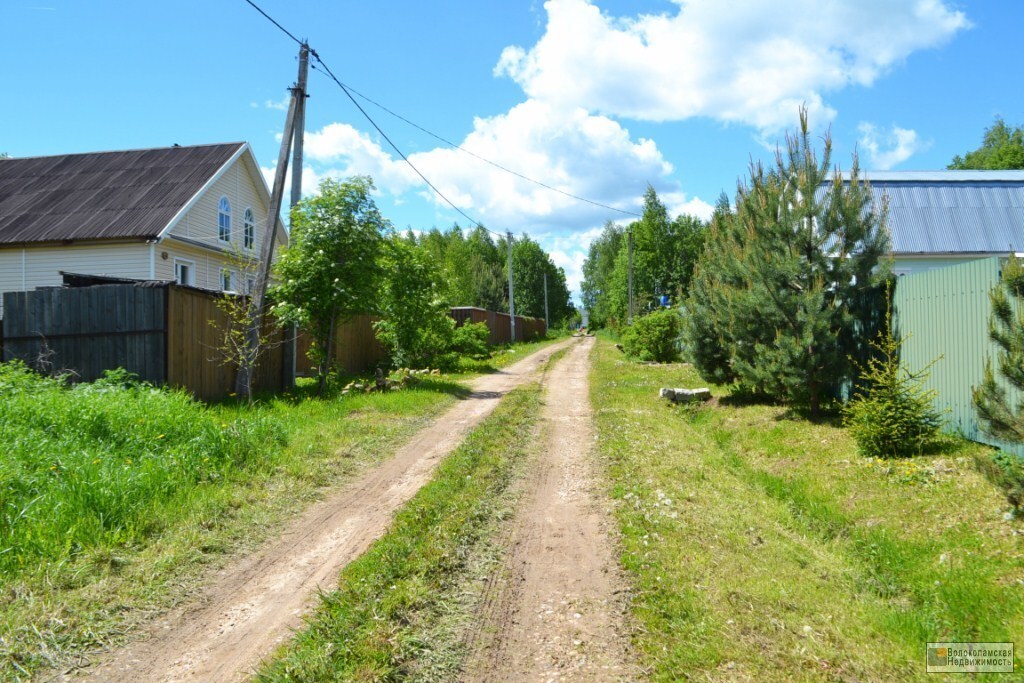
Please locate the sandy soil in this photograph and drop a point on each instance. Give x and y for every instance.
(556, 612)
(251, 607)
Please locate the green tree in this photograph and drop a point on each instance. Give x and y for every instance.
(996, 411)
(891, 413)
(597, 273)
(330, 270)
(664, 253)
(706, 331)
(415, 326)
(1002, 148)
(530, 264)
(794, 263)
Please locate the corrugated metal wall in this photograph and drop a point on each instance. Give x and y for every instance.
(945, 313)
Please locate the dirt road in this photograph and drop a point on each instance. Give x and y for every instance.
(556, 612)
(255, 604)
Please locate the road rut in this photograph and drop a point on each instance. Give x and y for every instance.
(253, 606)
(557, 610)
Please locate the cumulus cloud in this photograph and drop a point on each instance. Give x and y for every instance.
(576, 152)
(748, 61)
(885, 150)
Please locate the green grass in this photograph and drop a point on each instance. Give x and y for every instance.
(503, 356)
(763, 547)
(114, 501)
(382, 621)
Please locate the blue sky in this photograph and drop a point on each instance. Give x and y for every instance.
(597, 97)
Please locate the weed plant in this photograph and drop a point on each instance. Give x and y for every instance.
(103, 465)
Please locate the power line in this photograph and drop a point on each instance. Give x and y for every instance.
(350, 93)
(272, 21)
(485, 159)
(326, 69)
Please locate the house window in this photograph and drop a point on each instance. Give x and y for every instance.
(249, 229)
(227, 280)
(250, 285)
(224, 220)
(184, 272)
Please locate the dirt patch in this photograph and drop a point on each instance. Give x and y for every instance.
(556, 610)
(254, 605)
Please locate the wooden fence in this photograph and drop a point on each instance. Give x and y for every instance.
(162, 332)
(500, 324)
(356, 348)
(169, 334)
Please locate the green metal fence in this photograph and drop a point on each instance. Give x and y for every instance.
(944, 313)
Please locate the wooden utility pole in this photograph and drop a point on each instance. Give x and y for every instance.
(511, 294)
(243, 383)
(545, 303)
(629, 239)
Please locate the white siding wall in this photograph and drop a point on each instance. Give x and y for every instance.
(910, 265)
(31, 267)
(207, 264)
(238, 185)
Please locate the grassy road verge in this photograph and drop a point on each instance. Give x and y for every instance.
(116, 501)
(395, 613)
(763, 547)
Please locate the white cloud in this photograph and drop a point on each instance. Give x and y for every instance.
(890, 149)
(747, 61)
(585, 155)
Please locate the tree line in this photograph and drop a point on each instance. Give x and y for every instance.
(345, 259)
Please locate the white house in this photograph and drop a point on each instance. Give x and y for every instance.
(189, 214)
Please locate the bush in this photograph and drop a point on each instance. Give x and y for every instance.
(473, 340)
(654, 337)
(891, 415)
(1006, 471)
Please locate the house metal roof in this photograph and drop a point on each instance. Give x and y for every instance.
(952, 212)
(130, 194)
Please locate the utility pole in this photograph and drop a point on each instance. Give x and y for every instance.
(511, 294)
(289, 360)
(243, 383)
(629, 235)
(545, 303)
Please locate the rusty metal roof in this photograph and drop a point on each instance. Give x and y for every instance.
(952, 212)
(102, 195)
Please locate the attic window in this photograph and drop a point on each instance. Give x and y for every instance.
(224, 220)
(248, 229)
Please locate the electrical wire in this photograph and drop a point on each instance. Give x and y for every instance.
(352, 93)
(485, 159)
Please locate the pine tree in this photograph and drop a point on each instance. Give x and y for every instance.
(793, 266)
(999, 417)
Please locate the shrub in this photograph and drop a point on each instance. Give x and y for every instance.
(654, 337)
(473, 340)
(891, 415)
(1006, 471)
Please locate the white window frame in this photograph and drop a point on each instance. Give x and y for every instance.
(191, 265)
(227, 276)
(224, 219)
(249, 229)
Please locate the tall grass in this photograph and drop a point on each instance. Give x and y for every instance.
(103, 465)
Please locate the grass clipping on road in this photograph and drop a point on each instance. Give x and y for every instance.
(380, 622)
(763, 547)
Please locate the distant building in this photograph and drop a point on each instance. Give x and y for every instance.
(186, 214)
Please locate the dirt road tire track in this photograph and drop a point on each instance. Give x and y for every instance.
(254, 605)
(556, 610)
